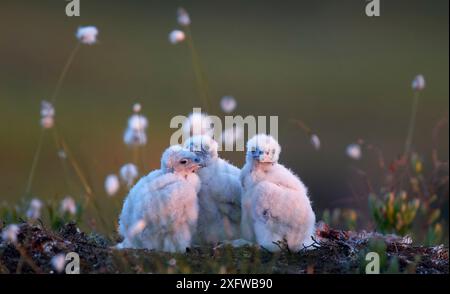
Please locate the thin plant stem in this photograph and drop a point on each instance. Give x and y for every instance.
(308, 131)
(435, 141)
(143, 158)
(87, 205)
(78, 170)
(135, 151)
(89, 193)
(100, 215)
(64, 73)
(35, 163)
(53, 101)
(88, 190)
(62, 160)
(139, 158)
(412, 123)
(201, 81)
(379, 153)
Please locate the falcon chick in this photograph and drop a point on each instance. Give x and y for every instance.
(220, 194)
(161, 210)
(275, 203)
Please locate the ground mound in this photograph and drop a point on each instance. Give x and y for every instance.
(335, 251)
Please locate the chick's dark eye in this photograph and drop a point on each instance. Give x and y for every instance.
(183, 161)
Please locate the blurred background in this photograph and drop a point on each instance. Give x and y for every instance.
(345, 75)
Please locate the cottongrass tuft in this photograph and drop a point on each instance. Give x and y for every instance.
(137, 107)
(138, 122)
(62, 154)
(228, 104)
(135, 133)
(354, 151)
(58, 262)
(87, 35)
(176, 36)
(172, 262)
(128, 173)
(47, 115)
(47, 109)
(34, 210)
(183, 17)
(418, 84)
(68, 205)
(112, 185)
(133, 137)
(10, 233)
(315, 141)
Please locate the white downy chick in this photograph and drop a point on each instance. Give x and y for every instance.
(161, 210)
(220, 194)
(275, 203)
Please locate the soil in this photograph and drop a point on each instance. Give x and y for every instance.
(335, 251)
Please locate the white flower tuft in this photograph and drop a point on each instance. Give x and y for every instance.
(58, 262)
(34, 211)
(354, 151)
(128, 173)
(176, 36)
(10, 233)
(418, 84)
(47, 109)
(228, 104)
(47, 115)
(133, 137)
(138, 122)
(183, 17)
(112, 184)
(68, 205)
(87, 35)
(172, 262)
(135, 133)
(62, 154)
(47, 122)
(315, 141)
(137, 107)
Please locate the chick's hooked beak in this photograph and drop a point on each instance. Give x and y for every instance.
(194, 162)
(256, 153)
(261, 156)
(201, 153)
(200, 160)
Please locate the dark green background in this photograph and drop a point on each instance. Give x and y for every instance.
(346, 75)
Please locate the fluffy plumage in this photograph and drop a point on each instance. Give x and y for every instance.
(275, 203)
(161, 210)
(220, 194)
